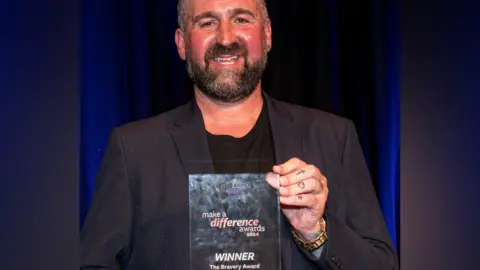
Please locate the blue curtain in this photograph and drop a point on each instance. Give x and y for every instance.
(340, 57)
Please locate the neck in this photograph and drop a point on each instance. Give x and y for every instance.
(234, 119)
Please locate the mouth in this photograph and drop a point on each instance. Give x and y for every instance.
(226, 59)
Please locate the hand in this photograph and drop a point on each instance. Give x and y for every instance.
(303, 194)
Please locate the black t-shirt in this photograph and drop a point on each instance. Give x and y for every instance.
(253, 153)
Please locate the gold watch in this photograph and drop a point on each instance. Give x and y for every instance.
(317, 242)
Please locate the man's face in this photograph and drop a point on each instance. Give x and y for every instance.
(225, 44)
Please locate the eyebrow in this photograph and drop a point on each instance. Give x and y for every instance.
(233, 12)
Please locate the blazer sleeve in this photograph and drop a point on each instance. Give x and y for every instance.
(361, 241)
(105, 235)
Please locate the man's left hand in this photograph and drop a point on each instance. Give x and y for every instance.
(303, 194)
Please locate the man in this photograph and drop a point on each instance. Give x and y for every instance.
(139, 214)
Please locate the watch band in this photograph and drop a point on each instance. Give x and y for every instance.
(317, 242)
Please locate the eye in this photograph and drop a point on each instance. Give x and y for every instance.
(241, 20)
(207, 24)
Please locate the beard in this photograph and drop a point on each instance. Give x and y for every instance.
(226, 85)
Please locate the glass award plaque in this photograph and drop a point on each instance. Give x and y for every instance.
(234, 222)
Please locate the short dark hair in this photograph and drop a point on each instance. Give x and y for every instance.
(182, 16)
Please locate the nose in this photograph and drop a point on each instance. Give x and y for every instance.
(225, 34)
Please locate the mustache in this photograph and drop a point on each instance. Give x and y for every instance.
(217, 50)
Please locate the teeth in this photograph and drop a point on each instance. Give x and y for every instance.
(225, 59)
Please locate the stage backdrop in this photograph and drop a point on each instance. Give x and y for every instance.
(338, 56)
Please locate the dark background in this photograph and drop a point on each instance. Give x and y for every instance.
(440, 130)
(41, 82)
(39, 136)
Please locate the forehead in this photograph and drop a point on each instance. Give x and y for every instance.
(196, 7)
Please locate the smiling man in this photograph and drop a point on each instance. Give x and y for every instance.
(139, 214)
(225, 45)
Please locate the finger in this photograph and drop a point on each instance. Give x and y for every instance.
(323, 184)
(288, 167)
(301, 174)
(302, 200)
(323, 191)
(309, 185)
(273, 180)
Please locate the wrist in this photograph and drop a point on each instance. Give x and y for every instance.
(312, 234)
(311, 244)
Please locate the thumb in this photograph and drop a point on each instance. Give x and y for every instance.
(273, 180)
(278, 169)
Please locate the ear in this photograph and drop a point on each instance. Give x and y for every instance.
(180, 41)
(268, 34)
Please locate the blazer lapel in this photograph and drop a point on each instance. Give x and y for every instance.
(287, 137)
(190, 139)
(287, 141)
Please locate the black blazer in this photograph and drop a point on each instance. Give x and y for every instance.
(139, 213)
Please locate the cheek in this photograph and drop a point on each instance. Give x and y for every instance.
(199, 44)
(254, 44)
